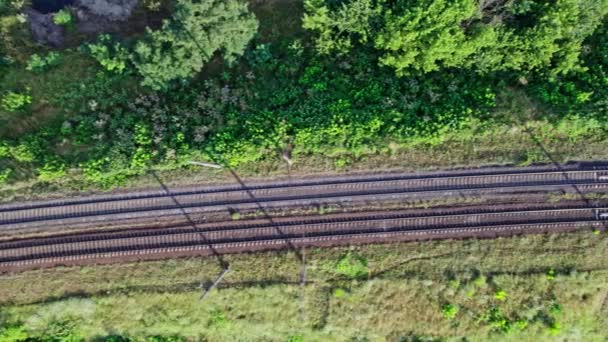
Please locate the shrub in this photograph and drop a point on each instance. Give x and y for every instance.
(218, 319)
(14, 334)
(554, 328)
(63, 17)
(295, 338)
(500, 295)
(23, 153)
(4, 176)
(339, 293)
(5, 150)
(5, 61)
(51, 170)
(352, 265)
(449, 311)
(39, 63)
(111, 55)
(13, 101)
(27, 150)
(497, 319)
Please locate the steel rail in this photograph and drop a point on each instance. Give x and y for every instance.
(580, 166)
(316, 232)
(384, 187)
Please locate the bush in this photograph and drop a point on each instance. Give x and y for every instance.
(449, 311)
(51, 170)
(5, 174)
(39, 63)
(497, 319)
(500, 295)
(63, 17)
(111, 55)
(295, 338)
(5, 150)
(30, 148)
(352, 265)
(13, 101)
(14, 334)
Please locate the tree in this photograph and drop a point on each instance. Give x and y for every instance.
(428, 35)
(185, 43)
(487, 35)
(338, 29)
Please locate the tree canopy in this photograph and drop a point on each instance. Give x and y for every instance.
(197, 30)
(486, 35)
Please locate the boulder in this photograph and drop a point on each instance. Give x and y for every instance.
(111, 10)
(44, 30)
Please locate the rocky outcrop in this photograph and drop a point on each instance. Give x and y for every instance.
(43, 28)
(96, 16)
(92, 17)
(112, 10)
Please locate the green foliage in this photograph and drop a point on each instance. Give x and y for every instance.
(63, 17)
(5, 150)
(13, 101)
(196, 31)
(554, 328)
(500, 295)
(449, 311)
(116, 338)
(15, 333)
(218, 319)
(497, 319)
(51, 170)
(61, 331)
(5, 175)
(260, 55)
(339, 293)
(580, 91)
(352, 265)
(39, 63)
(113, 56)
(23, 153)
(429, 35)
(338, 29)
(295, 338)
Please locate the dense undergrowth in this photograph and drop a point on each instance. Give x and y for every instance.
(81, 112)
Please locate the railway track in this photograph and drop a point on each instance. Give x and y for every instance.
(150, 205)
(146, 207)
(233, 237)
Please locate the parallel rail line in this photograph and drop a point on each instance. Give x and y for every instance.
(601, 167)
(163, 204)
(232, 238)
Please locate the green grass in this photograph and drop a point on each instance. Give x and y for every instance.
(404, 293)
(44, 88)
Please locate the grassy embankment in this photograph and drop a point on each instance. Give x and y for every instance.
(532, 288)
